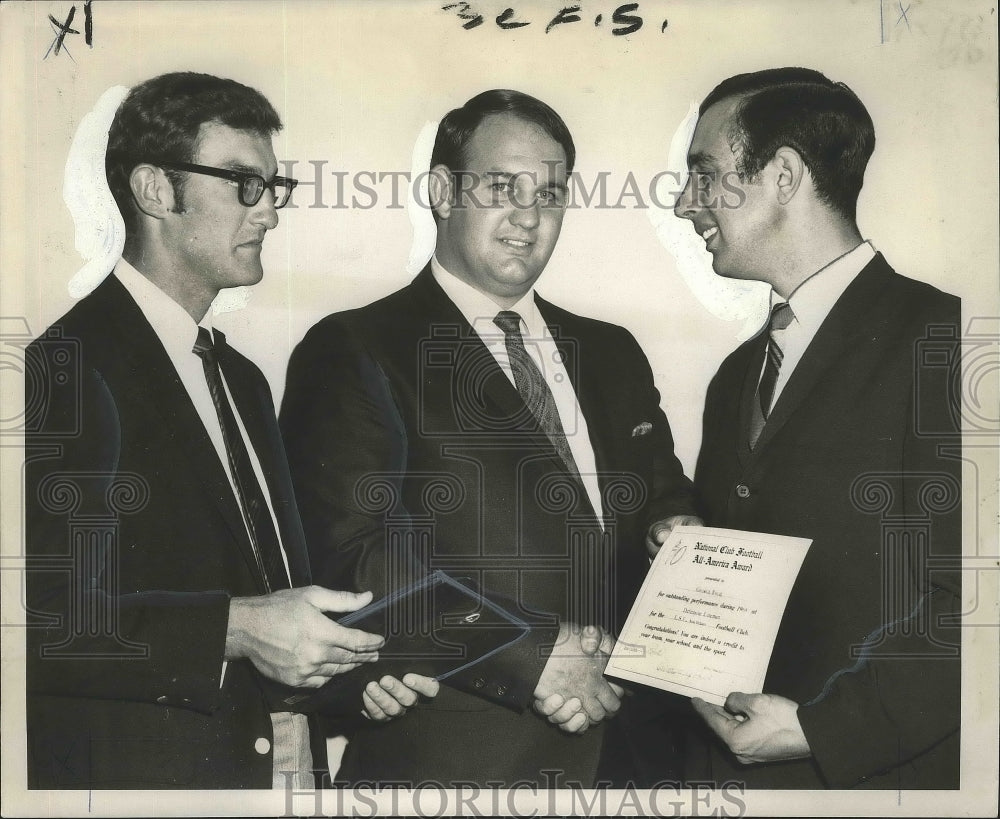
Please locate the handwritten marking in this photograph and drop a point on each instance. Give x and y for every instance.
(465, 12)
(960, 41)
(62, 29)
(902, 17)
(505, 16)
(625, 18)
(565, 15)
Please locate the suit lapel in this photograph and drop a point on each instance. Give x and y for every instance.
(154, 386)
(846, 321)
(589, 394)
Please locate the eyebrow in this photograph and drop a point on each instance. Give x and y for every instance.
(504, 175)
(701, 158)
(237, 166)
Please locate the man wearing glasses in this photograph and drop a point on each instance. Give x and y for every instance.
(147, 656)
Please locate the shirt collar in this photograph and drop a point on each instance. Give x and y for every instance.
(172, 324)
(480, 310)
(812, 300)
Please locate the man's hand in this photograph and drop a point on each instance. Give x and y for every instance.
(572, 693)
(389, 698)
(594, 639)
(659, 531)
(757, 727)
(288, 638)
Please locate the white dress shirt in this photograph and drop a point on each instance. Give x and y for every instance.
(480, 310)
(811, 303)
(177, 332)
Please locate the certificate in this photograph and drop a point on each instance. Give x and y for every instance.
(705, 620)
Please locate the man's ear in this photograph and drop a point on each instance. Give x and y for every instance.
(152, 191)
(441, 187)
(790, 171)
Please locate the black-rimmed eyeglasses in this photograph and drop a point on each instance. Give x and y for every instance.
(250, 186)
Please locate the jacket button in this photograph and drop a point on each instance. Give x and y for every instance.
(501, 690)
(742, 491)
(262, 745)
(479, 682)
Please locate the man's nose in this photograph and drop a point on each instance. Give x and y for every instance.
(525, 215)
(264, 213)
(686, 205)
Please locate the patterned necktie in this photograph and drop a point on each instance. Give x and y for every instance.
(254, 507)
(533, 389)
(781, 317)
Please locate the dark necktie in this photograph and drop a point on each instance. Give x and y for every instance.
(254, 507)
(781, 317)
(533, 389)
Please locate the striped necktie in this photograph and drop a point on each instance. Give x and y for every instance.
(534, 391)
(781, 317)
(253, 505)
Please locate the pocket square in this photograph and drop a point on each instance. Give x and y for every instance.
(642, 429)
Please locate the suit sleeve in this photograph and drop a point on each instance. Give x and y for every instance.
(86, 637)
(347, 449)
(902, 697)
(346, 446)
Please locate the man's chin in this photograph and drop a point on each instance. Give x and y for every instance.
(720, 270)
(520, 273)
(724, 271)
(252, 274)
(244, 279)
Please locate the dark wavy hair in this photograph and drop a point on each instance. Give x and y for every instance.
(160, 119)
(800, 108)
(459, 125)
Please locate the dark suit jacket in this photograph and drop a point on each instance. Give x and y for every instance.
(861, 454)
(135, 544)
(410, 449)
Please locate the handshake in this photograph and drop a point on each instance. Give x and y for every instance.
(572, 692)
(287, 636)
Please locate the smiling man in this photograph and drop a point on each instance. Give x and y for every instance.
(464, 423)
(838, 422)
(167, 573)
